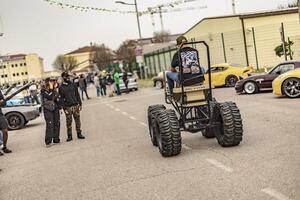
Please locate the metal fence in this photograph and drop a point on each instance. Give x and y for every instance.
(255, 46)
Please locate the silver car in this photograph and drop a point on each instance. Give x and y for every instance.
(132, 82)
(19, 114)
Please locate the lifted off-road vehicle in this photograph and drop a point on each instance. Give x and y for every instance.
(194, 109)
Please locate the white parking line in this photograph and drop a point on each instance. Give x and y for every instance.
(117, 109)
(133, 118)
(112, 107)
(219, 165)
(186, 147)
(124, 113)
(273, 193)
(143, 124)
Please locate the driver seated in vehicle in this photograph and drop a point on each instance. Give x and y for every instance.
(188, 60)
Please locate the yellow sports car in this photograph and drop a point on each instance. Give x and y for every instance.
(227, 74)
(287, 84)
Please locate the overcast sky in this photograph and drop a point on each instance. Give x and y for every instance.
(34, 26)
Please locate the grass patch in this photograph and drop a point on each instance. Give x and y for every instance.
(145, 83)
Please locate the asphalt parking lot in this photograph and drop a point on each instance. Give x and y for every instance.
(117, 160)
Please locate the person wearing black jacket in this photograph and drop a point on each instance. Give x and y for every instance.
(51, 107)
(72, 105)
(3, 126)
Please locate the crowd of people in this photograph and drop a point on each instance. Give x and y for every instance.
(64, 93)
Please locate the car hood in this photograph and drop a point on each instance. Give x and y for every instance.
(255, 77)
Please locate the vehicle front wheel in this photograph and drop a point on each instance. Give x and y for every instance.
(291, 87)
(15, 121)
(231, 81)
(250, 87)
(159, 84)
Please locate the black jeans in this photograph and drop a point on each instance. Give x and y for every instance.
(52, 119)
(86, 94)
(118, 89)
(103, 90)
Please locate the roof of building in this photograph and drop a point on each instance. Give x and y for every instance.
(85, 49)
(251, 15)
(9, 57)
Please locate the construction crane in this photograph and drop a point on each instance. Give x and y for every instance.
(160, 9)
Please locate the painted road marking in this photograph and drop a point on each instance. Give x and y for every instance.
(186, 147)
(273, 193)
(219, 165)
(133, 118)
(112, 107)
(124, 113)
(117, 109)
(143, 124)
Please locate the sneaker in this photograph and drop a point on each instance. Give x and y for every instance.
(6, 150)
(48, 145)
(1, 154)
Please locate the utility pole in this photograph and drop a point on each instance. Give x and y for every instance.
(138, 18)
(299, 8)
(161, 19)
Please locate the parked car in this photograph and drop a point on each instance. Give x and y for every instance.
(18, 113)
(159, 81)
(227, 74)
(132, 84)
(287, 84)
(257, 83)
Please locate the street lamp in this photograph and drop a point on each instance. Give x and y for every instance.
(137, 13)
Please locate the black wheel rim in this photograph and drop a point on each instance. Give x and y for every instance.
(231, 81)
(292, 88)
(14, 121)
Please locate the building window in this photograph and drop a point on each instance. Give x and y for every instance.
(4, 66)
(22, 73)
(6, 76)
(21, 64)
(14, 74)
(24, 64)
(1, 67)
(12, 66)
(2, 76)
(17, 74)
(26, 73)
(16, 65)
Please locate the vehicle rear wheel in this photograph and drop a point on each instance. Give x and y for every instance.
(229, 125)
(168, 135)
(231, 80)
(291, 87)
(15, 121)
(152, 111)
(159, 84)
(250, 87)
(208, 132)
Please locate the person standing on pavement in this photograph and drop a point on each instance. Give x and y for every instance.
(51, 107)
(33, 90)
(72, 105)
(103, 83)
(125, 79)
(83, 87)
(97, 85)
(3, 126)
(110, 81)
(117, 82)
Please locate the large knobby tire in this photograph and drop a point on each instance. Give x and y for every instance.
(231, 80)
(152, 111)
(169, 136)
(230, 130)
(208, 132)
(15, 120)
(291, 87)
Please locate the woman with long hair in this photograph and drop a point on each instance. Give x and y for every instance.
(51, 107)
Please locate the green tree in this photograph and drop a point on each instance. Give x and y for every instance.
(103, 56)
(65, 63)
(126, 53)
(288, 49)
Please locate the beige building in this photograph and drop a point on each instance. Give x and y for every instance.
(84, 57)
(20, 68)
(248, 39)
